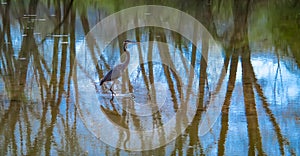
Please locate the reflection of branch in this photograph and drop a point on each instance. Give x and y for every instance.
(55, 104)
(223, 74)
(241, 44)
(142, 65)
(277, 71)
(193, 130)
(156, 116)
(18, 72)
(184, 62)
(72, 55)
(150, 56)
(203, 70)
(30, 62)
(40, 72)
(68, 9)
(249, 101)
(165, 56)
(191, 73)
(53, 79)
(91, 43)
(65, 16)
(281, 139)
(226, 104)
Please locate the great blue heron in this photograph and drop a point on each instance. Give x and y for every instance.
(118, 70)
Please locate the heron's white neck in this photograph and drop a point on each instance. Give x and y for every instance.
(126, 62)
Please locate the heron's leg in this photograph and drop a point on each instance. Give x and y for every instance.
(112, 92)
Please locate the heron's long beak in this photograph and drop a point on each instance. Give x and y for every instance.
(129, 41)
(134, 42)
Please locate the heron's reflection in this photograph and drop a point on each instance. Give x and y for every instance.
(118, 118)
(113, 112)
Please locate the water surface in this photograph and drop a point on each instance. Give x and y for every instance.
(254, 80)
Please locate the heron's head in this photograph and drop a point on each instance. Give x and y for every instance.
(127, 42)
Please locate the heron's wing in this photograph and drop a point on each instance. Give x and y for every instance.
(116, 72)
(112, 74)
(107, 77)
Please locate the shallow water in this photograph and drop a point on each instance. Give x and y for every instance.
(235, 91)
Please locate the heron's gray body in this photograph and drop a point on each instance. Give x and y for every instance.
(117, 71)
